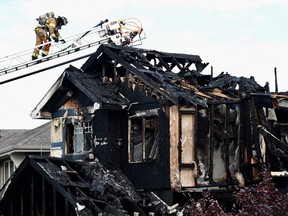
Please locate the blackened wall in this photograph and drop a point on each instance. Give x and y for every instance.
(107, 137)
(110, 128)
(152, 174)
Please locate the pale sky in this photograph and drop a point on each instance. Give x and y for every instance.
(244, 38)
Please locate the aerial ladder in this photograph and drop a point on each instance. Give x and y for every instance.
(126, 32)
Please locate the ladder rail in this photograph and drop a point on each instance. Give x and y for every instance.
(18, 60)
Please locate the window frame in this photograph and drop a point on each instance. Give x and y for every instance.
(9, 170)
(76, 137)
(144, 121)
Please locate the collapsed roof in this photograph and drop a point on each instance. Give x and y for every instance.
(70, 188)
(173, 77)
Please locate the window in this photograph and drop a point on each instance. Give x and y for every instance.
(8, 169)
(143, 138)
(78, 138)
(69, 144)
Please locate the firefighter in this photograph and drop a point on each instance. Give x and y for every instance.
(41, 38)
(48, 27)
(53, 25)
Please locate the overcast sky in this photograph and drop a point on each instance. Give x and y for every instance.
(244, 38)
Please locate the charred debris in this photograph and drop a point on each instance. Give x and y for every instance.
(137, 131)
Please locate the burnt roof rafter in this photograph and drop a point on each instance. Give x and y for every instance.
(158, 74)
(145, 80)
(155, 60)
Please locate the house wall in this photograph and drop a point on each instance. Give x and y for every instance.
(149, 174)
(110, 134)
(107, 138)
(218, 143)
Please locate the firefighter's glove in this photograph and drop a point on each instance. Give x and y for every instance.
(55, 39)
(62, 41)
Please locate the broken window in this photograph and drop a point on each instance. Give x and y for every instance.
(143, 138)
(78, 138)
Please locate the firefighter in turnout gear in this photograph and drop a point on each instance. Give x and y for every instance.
(41, 38)
(46, 28)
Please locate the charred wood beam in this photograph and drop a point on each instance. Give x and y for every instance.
(248, 139)
(32, 196)
(227, 101)
(88, 199)
(164, 64)
(137, 208)
(226, 140)
(11, 207)
(169, 62)
(196, 138)
(278, 143)
(177, 63)
(66, 207)
(211, 143)
(142, 62)
(76, 190)
(43, 197)
(245, 141)
(172, 65)
(138, 65)
(21, 201)
(54, 202)
(200, 66)
(255, 122)
(188, 65)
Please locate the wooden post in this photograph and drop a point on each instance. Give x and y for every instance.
(276, 82)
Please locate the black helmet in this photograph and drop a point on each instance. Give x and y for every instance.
(61, 21)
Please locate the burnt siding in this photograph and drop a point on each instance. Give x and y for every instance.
(107, 137)
(100, 134)
(114, 139)
(111, 134)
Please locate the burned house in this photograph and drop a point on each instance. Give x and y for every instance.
(169, 128)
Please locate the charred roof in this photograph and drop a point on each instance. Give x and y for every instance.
(81, 188)
(176, 78)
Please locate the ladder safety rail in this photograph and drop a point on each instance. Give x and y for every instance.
(121, 32)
